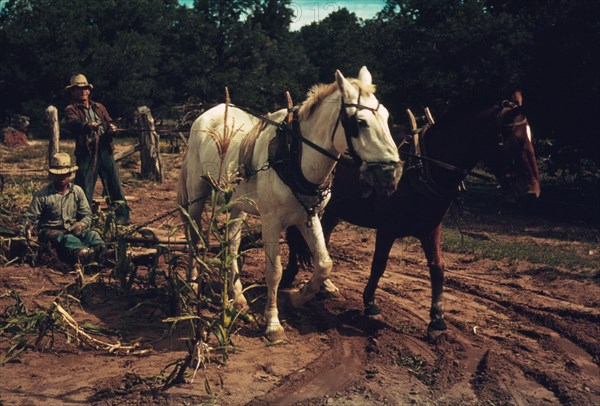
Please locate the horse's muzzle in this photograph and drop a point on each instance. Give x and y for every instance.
(383, 177)
(520, 189)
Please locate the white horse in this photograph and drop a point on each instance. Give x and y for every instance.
(363, 131)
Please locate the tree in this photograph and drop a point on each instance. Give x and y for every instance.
(336, 42)
(117, 46)
(285, 64)
(448, 53)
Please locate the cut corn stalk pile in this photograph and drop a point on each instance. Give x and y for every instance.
(83, 336)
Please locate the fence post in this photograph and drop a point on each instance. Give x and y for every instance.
(54, 143)
(150, 147)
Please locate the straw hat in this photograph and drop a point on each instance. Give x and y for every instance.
(79, 80)
(61, 164)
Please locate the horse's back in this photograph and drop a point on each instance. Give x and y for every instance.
(211, 137)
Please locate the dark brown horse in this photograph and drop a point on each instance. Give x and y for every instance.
(498, 135)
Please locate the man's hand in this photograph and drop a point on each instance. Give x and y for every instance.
(78, 228)
(92, 124)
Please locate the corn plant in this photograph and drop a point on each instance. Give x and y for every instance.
(14, 199)
(25, 328)
(209, 265)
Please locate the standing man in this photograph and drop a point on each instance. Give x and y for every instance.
(63, 216)
(93, 129)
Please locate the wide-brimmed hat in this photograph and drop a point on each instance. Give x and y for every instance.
(79, 80)
(61, 164)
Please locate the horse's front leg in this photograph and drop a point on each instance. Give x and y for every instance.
(329, 221)
(383, 244)
(322, 263)
(273, 269)
(235, 235)
(299, 249)
(432, 246)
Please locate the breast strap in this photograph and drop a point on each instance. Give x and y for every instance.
(285, 154)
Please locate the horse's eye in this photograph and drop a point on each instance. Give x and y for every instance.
(363, 123)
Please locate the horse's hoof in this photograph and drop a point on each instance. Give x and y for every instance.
(372, 310)
(433, 336)
(437, 325)
(275, 335)
(329, 287)
(436, 329)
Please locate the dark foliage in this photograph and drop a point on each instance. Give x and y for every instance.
(444, 54)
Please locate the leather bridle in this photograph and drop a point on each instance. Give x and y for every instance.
(351, 126)
(507, 106)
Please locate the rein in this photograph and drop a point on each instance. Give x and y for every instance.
(448, 166)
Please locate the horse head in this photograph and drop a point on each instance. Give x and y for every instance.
(513, 159)
(368, 139)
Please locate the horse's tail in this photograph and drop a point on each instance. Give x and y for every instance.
(300, 256)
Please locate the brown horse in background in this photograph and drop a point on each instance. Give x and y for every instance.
(498, 135)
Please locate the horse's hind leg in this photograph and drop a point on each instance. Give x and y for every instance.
(273, 269)
(235, 234)
(297, 246)
(431, 244)
(321, 261)
(193, 225)
(383, 244)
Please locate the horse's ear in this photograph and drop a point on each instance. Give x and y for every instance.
(365, 76)
(348, 91)
(517, 98)
(340, 79)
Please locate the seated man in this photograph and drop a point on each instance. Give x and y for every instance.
(63, 215)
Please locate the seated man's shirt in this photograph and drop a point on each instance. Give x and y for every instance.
(52, 210)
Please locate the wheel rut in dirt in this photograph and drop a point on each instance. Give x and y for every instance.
(333, 371)
(518, 341)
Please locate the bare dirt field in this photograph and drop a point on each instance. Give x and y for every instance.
(520, 333)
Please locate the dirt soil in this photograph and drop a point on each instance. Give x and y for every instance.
(519, 333)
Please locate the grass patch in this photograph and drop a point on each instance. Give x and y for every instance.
(25, 154)
(560, 253)
(14, 200)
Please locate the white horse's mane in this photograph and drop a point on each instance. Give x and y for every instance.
(317, 93)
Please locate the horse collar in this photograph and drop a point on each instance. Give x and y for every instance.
(285, 154)
(418, 170)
